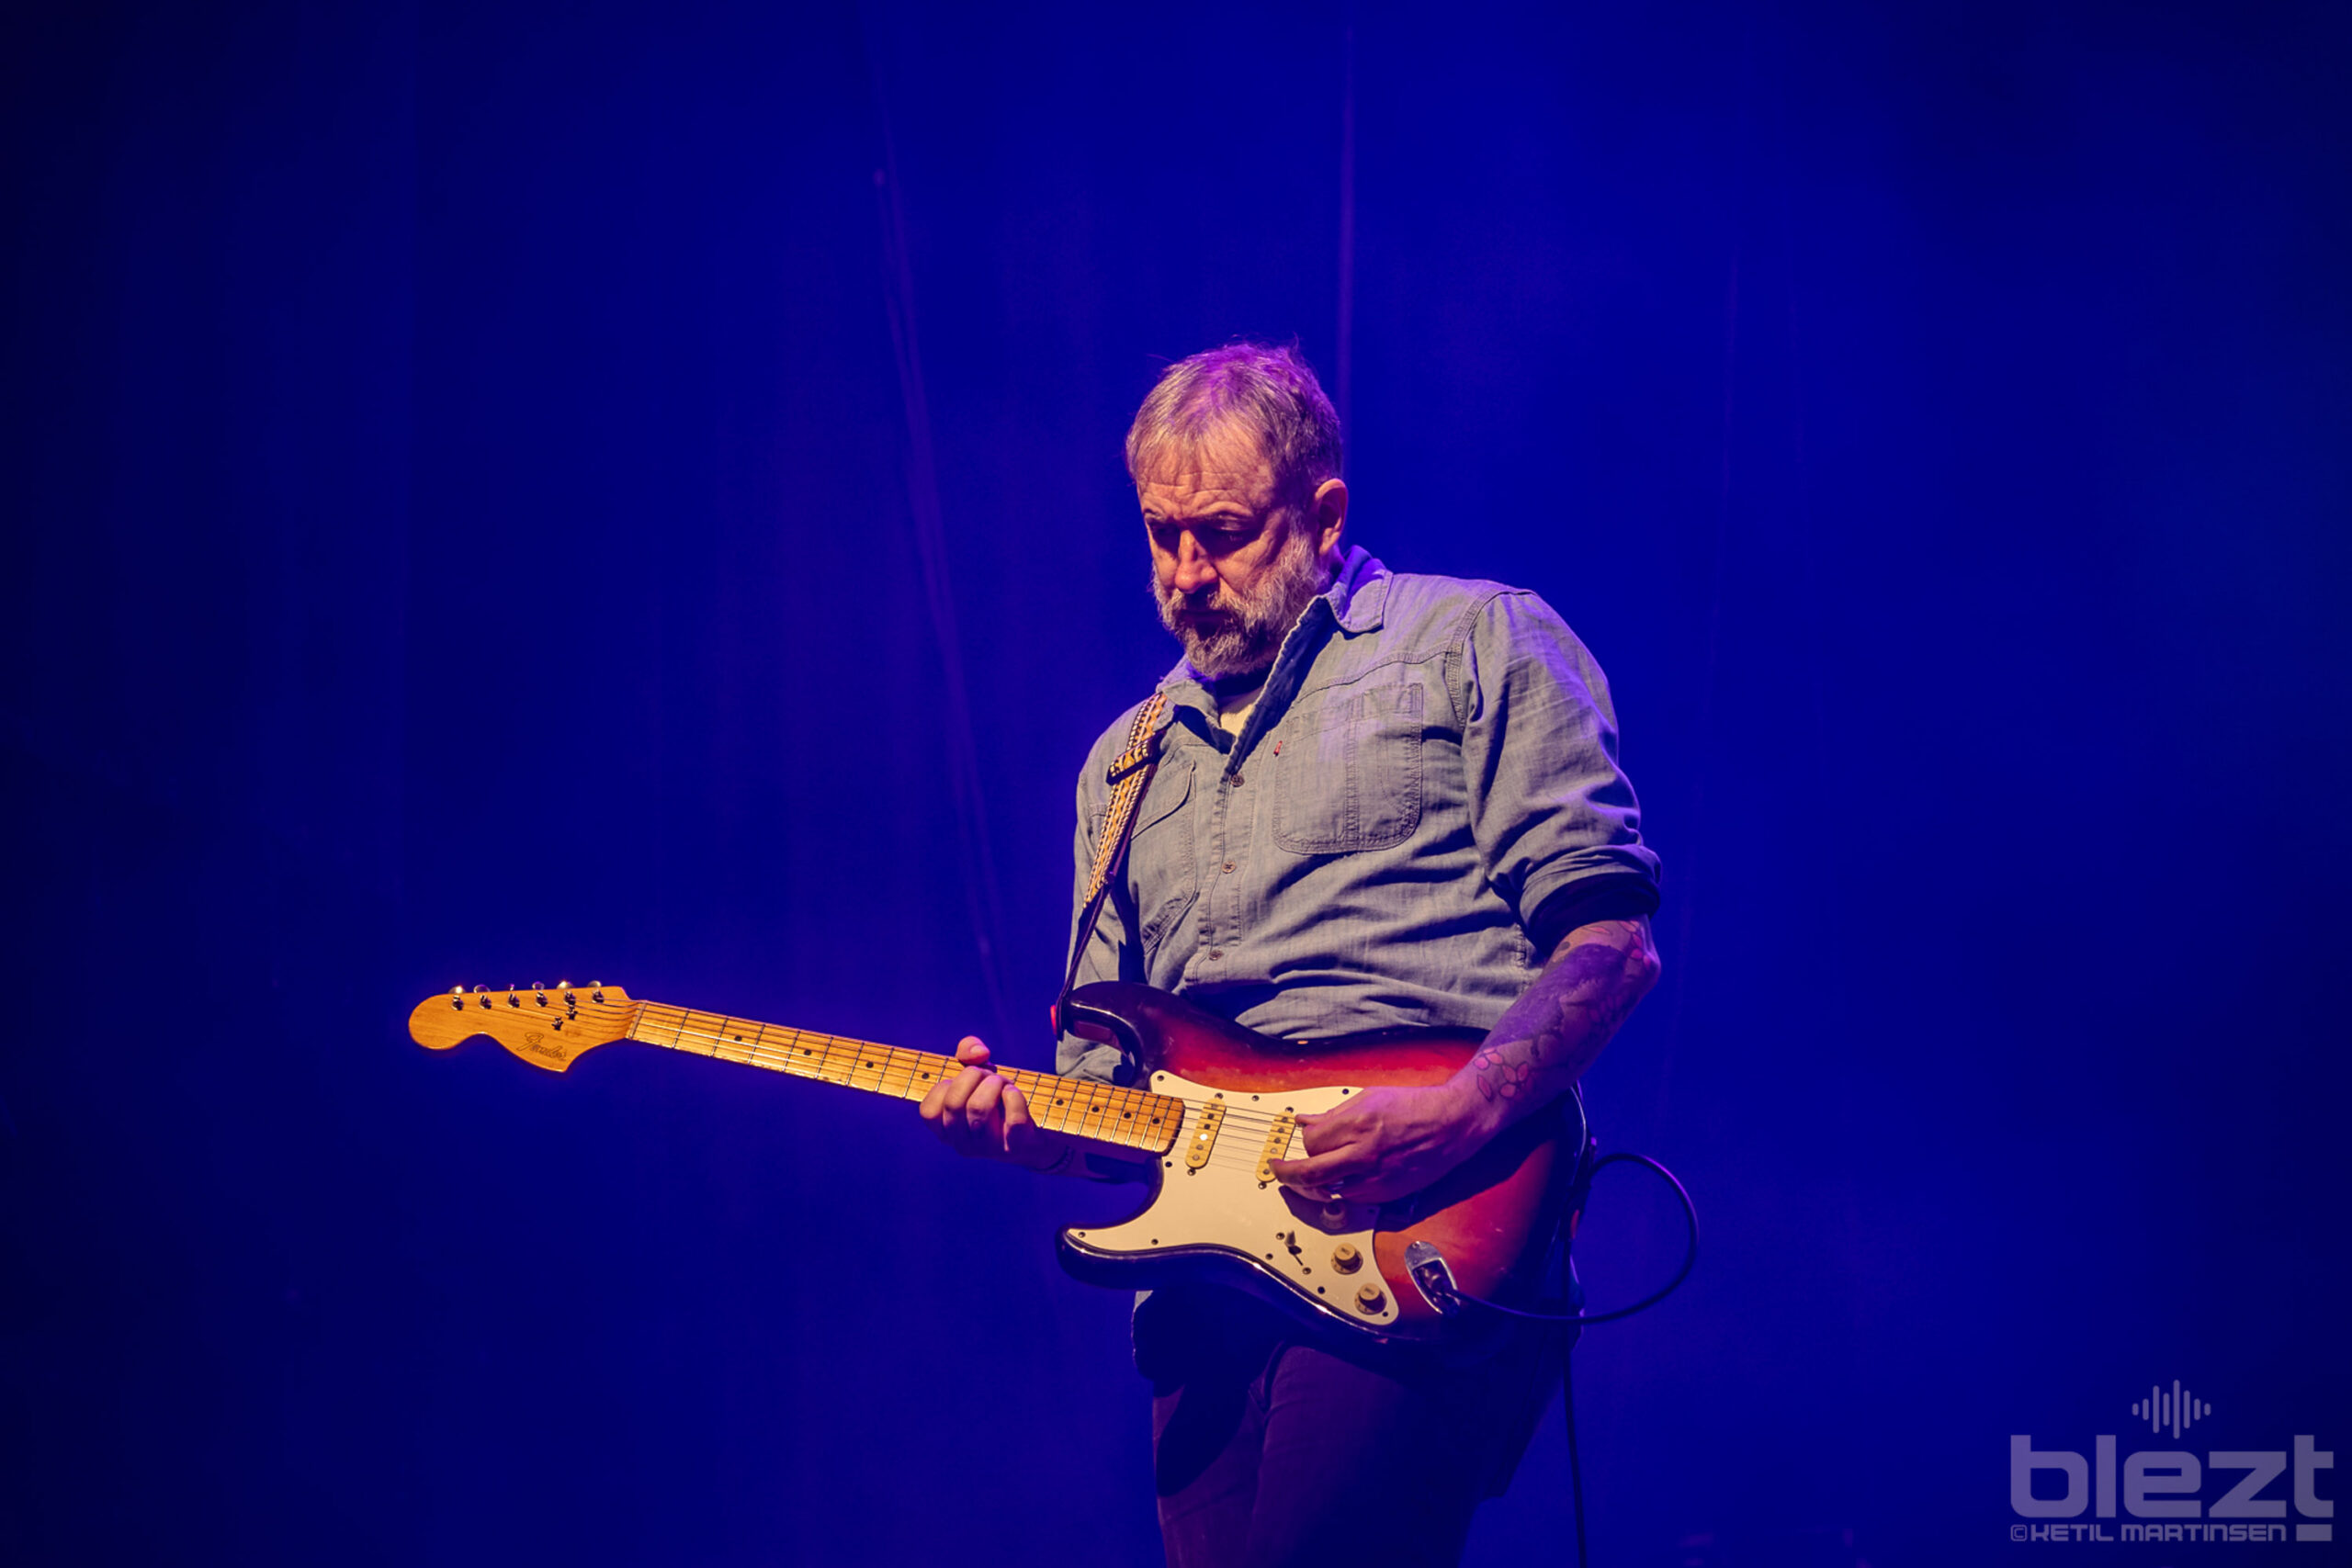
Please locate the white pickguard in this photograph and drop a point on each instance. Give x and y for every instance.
(1224, 1206)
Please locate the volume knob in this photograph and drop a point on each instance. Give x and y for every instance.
(1346, 1259)
(1369, 1299)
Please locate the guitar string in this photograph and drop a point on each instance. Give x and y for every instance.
(899, 1081)
(1236, 1113)
(898, 1078)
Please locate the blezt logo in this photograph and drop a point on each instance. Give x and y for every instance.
(2179, 1407)
(2169, 1485)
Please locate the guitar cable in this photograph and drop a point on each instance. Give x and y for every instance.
(1430, 1272)
(1429, 1269)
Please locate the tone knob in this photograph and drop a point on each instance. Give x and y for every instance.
(1346, 1259)
(1369, 1299)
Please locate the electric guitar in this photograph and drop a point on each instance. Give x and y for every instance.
(1218, 1104)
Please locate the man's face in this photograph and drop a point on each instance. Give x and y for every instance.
(1232, 567)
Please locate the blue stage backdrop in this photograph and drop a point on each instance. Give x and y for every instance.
(468, 526)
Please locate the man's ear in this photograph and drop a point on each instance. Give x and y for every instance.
(1329, 510)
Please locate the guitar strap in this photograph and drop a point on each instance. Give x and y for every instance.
(1130, 776)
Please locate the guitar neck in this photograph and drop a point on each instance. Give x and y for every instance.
(1103, 1113)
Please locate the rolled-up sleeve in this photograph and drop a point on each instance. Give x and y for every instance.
(1555, 817)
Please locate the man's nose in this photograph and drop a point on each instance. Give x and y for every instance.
(1193, 569)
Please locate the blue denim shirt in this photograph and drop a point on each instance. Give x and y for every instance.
(1431, 763)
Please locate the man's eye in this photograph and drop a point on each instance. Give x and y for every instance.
(1213, 533)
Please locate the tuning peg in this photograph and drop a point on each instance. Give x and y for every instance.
(457, 997)
(539, 985)
(563, 984)
(595, 985)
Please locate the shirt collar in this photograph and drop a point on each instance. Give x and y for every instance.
(1359, 592)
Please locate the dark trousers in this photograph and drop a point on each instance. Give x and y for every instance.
(1269, 1449)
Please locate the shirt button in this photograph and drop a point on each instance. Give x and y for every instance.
(1217, 952)
(1228, 868)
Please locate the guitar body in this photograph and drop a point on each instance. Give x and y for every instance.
(1217, 1215)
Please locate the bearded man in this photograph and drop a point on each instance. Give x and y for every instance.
(1382, 801)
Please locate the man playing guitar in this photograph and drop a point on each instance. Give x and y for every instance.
(1381, 800)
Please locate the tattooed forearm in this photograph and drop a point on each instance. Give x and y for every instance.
(1555, 1030)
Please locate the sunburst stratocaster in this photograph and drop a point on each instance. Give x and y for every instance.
(1219, 1102)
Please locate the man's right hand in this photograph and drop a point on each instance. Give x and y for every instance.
(983, 1116)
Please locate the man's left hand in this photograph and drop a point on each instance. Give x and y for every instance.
(1385, 1143)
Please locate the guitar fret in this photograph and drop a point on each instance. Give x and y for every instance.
(836, 1061)
(928, 1072)
(733, 1045)
(1048, 1101)
(1089, 1121)
(803, 1055)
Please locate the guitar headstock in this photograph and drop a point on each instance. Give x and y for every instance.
(547, 1027)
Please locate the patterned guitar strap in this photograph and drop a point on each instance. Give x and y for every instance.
(1130, 776)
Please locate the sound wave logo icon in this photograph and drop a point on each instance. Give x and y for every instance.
(2178, 1409)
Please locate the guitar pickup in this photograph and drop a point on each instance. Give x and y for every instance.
(1277, 1146)
(1196, 1152)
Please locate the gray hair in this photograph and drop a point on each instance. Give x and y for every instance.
(1269, 391)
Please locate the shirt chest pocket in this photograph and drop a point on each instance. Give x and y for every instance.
(1349, 774)
(1160, 857)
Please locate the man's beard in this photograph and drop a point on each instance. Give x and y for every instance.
(1245, 633)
